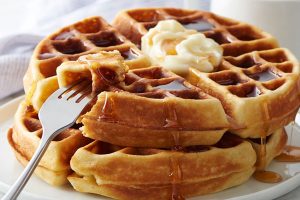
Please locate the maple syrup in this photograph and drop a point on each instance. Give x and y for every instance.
(267, 176)
(108, 75)
(263, 175)
(219, 37)
(70, 46)
(172, 121)
(174, 85)
(263, 76)
(105, 39)
(176, 176)
(254, 93)
(227, 82)
(107, 110)
(200, 25)
(175, 173)
(263, 150)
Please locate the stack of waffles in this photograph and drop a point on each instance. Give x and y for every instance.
(151, 134)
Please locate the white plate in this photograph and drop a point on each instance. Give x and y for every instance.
(37, 189)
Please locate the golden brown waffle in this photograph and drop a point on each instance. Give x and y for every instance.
(235, 37)
(90, 35)
(88, 185)
(258, 90)
(173, 111)
(139, 173)
(25, 137)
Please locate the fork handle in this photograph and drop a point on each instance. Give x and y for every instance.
(18, 186)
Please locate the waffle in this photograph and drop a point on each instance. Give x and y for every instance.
(157, 94)
(270, 78)
(128, 173)
(25, 137)
(235, 37)
(90, 35)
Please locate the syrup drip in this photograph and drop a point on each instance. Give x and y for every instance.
(172, 121)
(107, 110)
(263, 150)
(201, 25)
(176, 176)
(173, 86)
(263, 76)
(263, 175)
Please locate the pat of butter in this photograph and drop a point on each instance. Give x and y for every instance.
(172, 46)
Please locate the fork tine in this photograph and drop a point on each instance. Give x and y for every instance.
(86, 97)
(82, 94)
(75, 89)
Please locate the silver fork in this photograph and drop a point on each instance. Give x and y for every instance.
(58, 113)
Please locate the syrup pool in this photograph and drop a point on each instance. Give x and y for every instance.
(199, 25)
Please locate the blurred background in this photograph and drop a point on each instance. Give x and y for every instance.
(24, 23)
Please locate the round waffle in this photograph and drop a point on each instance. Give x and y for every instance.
(204, 168)
(25, 137)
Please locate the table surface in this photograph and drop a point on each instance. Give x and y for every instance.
(294, 195)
